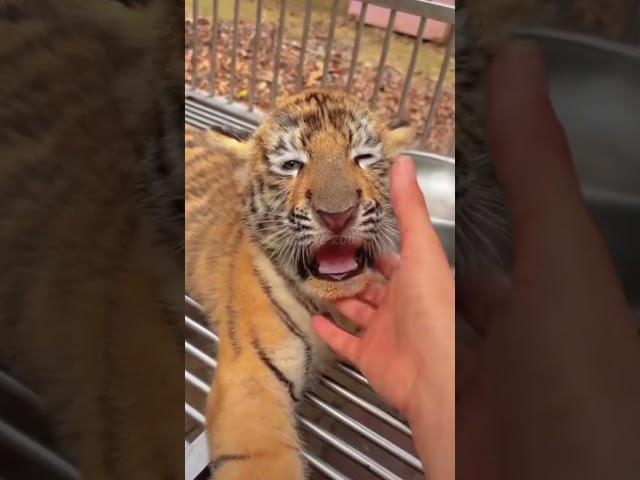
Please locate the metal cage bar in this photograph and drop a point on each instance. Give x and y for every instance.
(214, 47)
(329, 46)
(254, 60)
(383, 57)
(35, 452)
(437, 96)
(196, 45)
(277, 60)
(234, 52)
(303, 45)
(349, 451)
(356, 45)
(412, 66)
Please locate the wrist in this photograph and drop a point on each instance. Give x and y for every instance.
(431, 416)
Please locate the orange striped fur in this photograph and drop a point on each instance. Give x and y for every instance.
(239, 225)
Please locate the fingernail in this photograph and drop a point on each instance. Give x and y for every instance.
(405, 167)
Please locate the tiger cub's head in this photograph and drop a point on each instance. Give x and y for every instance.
(318, 195)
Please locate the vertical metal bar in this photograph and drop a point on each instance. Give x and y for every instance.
(234, 51)
(214, 49)
(438, 91)
(329, 46)
(303, 44)
(356, 45)
(255, 50)
(383, 57)
(196, 45)
(276, 66)
(412, 65)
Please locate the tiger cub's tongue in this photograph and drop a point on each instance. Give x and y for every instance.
(336, 258)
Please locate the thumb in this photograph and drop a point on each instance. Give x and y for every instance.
(411, 209)
(530, 150)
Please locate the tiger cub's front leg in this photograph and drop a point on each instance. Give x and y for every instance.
(251, 419)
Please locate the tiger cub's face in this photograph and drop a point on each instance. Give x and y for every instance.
(319, 195)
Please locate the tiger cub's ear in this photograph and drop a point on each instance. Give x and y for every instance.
(397, 137)
(238, 150)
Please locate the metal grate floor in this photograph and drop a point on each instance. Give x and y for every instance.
(347, 432)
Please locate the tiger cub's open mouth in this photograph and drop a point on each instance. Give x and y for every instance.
(337, 260)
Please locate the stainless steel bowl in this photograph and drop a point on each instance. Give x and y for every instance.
(436, 175)
(595, 89)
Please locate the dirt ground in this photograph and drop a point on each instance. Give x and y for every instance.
(422, 89)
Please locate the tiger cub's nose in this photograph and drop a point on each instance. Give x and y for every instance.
(337, 222)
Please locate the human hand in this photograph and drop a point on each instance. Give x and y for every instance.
(406, 350)
(550, 387)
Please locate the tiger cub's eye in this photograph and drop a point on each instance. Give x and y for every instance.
(290, 165)
(365, 159)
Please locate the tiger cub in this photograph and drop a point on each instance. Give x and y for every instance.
(92, 226)
(276, 228)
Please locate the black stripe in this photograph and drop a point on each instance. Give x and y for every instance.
(286, 319)
(224, 459)
(288, 384)
(307, 303)
(232, 313)
(370, 210)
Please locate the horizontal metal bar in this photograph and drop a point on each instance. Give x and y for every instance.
(200, 355)
(196, 457)
(215, 117)
(195, 121)
(360, 402)
(234, 109)
(352, 373)
(20, 391)
(36, 452)
(422, 8)
(196, 327)
(196, 382)
(366, 432)
(195, 414)
(323, 467)
(349, 451)
(192, 302)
